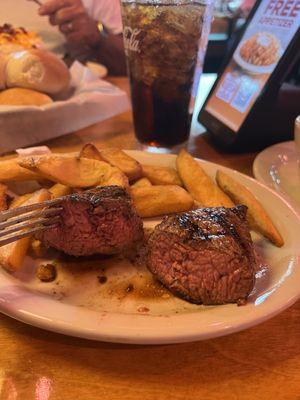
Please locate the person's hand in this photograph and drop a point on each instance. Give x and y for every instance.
(73, 21)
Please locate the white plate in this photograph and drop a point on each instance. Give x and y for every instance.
(278, 166)
(88, 309)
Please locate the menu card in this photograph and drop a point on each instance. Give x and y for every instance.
(261, 47)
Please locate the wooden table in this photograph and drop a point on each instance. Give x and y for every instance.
(260, 363)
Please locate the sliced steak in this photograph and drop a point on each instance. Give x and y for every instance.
(102, 220)
(205, 256)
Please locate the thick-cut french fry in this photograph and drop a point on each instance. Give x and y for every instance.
(199, 184)
(118, 158)
(3, 197)
(115, 157)
(59, 190)
(13, 254)
(18, 201)
(11, 171)
(73, 171)
(142, 183)
(161, 175)
(257, 217)
(196, 205)
(37, 248)
(90, 151)
(117, 177)
(153, 201)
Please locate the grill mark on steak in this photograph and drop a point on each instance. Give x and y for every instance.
(230, 229)
(195, 230)
(97, 195)
(205, 256)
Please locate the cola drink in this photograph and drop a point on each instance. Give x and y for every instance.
(162, 42)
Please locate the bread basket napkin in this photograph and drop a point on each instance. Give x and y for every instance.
(88, 101)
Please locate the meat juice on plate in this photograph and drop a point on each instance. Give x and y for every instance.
(161, 43)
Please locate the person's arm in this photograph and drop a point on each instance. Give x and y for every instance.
(80, 29)
(109, 50)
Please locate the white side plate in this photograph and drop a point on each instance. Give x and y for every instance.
(278, 167)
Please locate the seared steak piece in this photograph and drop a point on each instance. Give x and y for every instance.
(205, 256)
(102, 220)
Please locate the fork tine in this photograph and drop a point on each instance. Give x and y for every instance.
(4, 215)
(37, 216)
(32, 215)
(21, 235)
(28, 224)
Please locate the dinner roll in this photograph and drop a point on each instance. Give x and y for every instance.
(23, 97)
(3, 61)
(38, 70)
(5, 51)
(8, 48)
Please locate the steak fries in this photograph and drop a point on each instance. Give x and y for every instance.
(154, 190)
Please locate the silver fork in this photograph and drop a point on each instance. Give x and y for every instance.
(20, 222)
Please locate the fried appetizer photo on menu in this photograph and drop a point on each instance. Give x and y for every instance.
(205, 256)
(261, 49)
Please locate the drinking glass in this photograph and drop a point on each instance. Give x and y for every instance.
(165, 43)
(297, 136)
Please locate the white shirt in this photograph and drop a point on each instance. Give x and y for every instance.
(108, 12)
